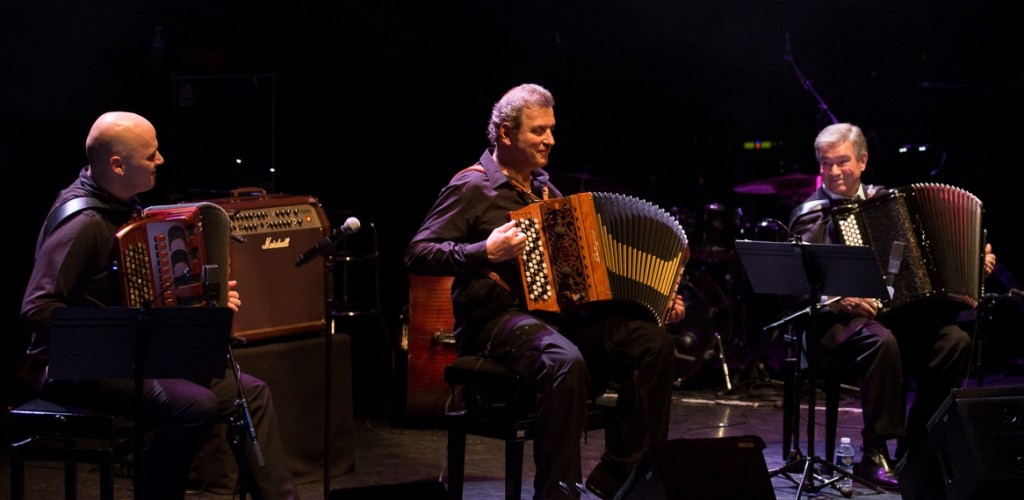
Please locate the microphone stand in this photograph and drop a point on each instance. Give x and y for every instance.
(806, 310)
(807, 83)
(241, 424)
(325, 248)
(328, 365)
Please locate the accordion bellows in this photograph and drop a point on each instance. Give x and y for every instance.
(927, 238)
(600, 246)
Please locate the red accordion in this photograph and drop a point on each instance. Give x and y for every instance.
(174, 256)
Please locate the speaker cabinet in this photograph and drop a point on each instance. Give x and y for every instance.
(708, 468)
(974, 448)
(269, 233)
(223, 132)
(295, 372)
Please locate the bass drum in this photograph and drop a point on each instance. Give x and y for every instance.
(706, 314)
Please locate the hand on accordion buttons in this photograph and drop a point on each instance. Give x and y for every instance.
(676, 310)
(855, 306)
(990, 259)
(505, 242)
(234, 300)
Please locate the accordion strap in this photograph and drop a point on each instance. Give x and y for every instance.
(69, 208)
(497, 279)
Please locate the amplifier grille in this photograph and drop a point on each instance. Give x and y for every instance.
(268, 233)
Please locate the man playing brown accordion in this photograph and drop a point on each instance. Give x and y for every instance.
(468, 234)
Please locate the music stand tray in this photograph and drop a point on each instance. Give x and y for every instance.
(100, 343)
(839, 270)
(814, 270)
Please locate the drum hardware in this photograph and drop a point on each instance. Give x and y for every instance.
(582, 182)
(698, 338)
(794, 187)
(725, 364)
(770, 230)
(720, 227)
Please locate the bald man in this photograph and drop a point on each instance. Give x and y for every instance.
(73, 269)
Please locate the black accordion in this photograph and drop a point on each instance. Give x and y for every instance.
(600, 246)
(173, 256)
(928, 241)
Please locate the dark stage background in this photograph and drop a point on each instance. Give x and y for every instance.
(372, 106)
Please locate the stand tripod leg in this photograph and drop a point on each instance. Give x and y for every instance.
(790, 409)
(803, 465)
(838, 474)
(725, 365)
(242, 427)
(817, 474)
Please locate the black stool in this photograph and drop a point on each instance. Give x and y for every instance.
(496, 404)
(45, 431)
(830, 372)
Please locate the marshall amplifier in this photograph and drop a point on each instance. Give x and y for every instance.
(268, 232)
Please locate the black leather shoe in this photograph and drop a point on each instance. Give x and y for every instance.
(606, 480)
(875, 467)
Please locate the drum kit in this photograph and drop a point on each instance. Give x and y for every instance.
(719, 301)
(793, 186)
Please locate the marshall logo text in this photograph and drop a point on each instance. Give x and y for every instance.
(278, 243)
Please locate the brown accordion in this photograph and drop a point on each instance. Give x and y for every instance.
(928, 241)
(599, 246)
(166, 258)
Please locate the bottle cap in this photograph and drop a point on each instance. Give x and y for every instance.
(844, 440)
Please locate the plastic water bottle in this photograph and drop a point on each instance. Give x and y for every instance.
(844, 460)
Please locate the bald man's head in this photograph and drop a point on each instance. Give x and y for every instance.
(122, 152)
(110, 135)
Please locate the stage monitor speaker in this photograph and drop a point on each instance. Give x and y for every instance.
(294, 371)
(974, 447)
(269, 232)
(707, 468)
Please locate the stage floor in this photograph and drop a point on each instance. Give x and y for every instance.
(390, 455)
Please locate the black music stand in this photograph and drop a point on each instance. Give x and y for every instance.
(813, 270)
(139, 343)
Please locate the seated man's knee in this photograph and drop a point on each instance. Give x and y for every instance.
(257, 392)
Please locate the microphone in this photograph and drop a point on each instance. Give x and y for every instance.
(810, 208)
(350, 226)
(211, 287)
(895, 259)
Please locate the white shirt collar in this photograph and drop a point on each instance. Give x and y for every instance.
(859, 196)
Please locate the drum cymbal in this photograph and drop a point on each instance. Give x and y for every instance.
(785, 185)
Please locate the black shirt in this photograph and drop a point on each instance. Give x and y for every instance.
(73, 265)
(453, 239)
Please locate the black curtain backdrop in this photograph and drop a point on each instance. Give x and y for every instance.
(372, 106)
